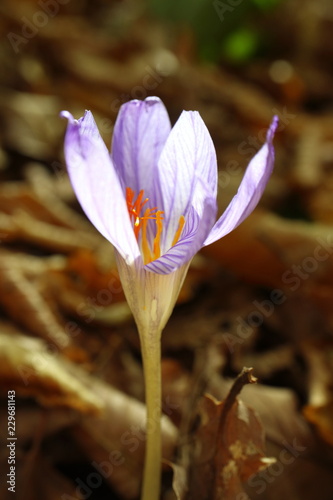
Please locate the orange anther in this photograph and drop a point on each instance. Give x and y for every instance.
(147, 257)
(140, 223)
(157, 239)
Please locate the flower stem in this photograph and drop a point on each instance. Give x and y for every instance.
(151, 356)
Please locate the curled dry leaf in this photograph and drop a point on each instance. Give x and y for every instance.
(179, 481)
(300, 467)
(228, 446)
(276, 407)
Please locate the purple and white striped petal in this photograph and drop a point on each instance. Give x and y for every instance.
(96, 184)
(196, 229)
(250, 190)
(139, 135)
(188, 155)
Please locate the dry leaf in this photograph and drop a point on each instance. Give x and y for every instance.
(25, 304)
(29, 367)
(300, 467)
(112, 424)
(284, 253)
(319, 409)
(37, 479)
(228, 446)
(115, 440)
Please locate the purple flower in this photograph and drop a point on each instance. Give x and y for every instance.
(154, 196)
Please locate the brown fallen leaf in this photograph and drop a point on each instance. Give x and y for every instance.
(319, 409)
(50, 236)
(284, 253)
(29, 367)
(115, 440)
(179, 482)
(267, 363)
(24, 303)
(228, 446)
(37, 479)
(54, 419)
(302, 468)
(52, 207)
(319, 200)
(110, 425)
(307, 172)
(276, 407)
(37, 214)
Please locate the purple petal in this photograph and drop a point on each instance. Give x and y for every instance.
(250, 190)
(195, 231)
(188, 155)
(139, 135)
(96, 185)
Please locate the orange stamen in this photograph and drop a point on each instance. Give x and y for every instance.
(179, 230)
(140, 223)
(157, 239)
(134, 208)
(147, 257)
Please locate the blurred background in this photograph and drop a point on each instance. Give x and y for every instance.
(261, 297)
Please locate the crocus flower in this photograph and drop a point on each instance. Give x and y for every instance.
(154, 197)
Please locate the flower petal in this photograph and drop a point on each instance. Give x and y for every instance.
(195, 231)
(96, 185)
(250, 190)
(188, 155)
(151, 296)
(139, 135)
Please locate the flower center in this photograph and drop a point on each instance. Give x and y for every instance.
(140, 223)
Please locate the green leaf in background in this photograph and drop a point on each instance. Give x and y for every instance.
(240, 45)
(230, 29)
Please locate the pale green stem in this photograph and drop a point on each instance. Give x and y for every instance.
(151, 356)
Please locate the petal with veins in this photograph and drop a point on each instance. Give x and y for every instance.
(250, 190)
(188, 155)
(140, 133)
(96, 184)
